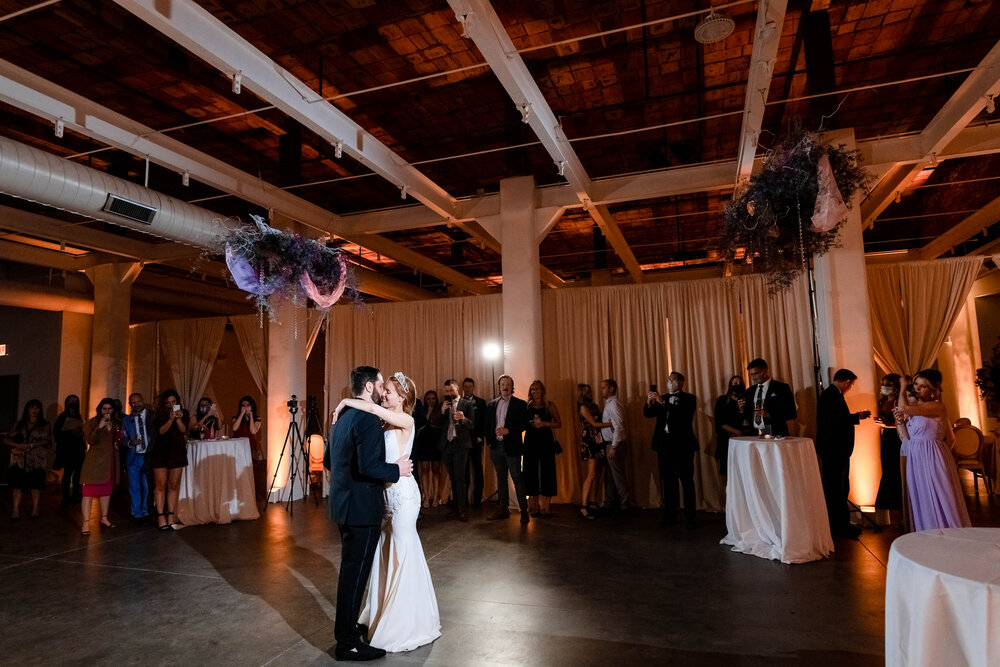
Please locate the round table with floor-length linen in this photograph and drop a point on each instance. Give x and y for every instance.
(774, 500)
(942, 598)
(217, 485)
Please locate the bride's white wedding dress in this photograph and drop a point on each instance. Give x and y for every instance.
(401, 610)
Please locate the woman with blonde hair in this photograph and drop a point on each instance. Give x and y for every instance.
(539, 458)
(591, 447)
(401, 609)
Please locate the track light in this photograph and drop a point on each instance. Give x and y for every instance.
(237, 83)
(561, 167)
(898, 197)
(60, 126)
(933, 159)
(525, 110)
(465, 20)
(991, 104)
(338, 150)
(185, 179)
(402, 192)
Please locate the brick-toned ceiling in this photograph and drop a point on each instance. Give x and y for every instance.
(390, 67)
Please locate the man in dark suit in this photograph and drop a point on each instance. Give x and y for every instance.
(355, 457)
(506, 421)
(456, 441)
(769, 404)
(834, 445)
(675, 443)
(476, 453)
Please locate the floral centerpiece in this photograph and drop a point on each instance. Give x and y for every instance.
(793, 208)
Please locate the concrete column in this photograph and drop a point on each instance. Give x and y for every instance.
(286, 375)
(522, 288)
(845, 338)
(75, 347)
(109, 345)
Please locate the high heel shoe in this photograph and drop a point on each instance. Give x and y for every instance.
(86, 530)
(164, 525)
(106, 523)
(175, 523)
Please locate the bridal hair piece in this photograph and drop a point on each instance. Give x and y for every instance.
(401, 379)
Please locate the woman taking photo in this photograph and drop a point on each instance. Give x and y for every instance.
(539, 459)
(30, 440)
(169, 456)
(205, 422)
(591, 447)
(100, 469)
(728, 420)
(247, 424)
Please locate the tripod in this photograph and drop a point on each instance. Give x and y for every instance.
(293, 438)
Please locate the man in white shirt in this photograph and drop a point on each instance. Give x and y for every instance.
(616, 493)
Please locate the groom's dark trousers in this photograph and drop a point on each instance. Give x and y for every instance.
(355, 457)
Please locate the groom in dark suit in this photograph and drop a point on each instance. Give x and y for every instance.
(355, 457)
(769, 403)
(675, 443)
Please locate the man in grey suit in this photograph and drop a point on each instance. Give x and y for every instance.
(457, 436)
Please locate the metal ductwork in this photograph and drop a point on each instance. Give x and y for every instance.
(32, 174)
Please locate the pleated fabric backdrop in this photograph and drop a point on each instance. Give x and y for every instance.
(707, 329)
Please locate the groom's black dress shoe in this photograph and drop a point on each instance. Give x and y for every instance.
(361, 653)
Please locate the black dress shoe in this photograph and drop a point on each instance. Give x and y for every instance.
(362, 653)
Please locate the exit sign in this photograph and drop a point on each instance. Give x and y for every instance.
(3, 349)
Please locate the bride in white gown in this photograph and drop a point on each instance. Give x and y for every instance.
(401, 609)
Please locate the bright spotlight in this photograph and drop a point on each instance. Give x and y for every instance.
(491, 351)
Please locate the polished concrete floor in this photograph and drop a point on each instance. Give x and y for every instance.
(563, 591)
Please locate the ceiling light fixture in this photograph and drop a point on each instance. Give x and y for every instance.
(60, 126)
(525, 110)
(561, 167)
(185, 179)
(402, 192)
(714, 28)
(465, 20)
(237, 83)
(991, 104)
(338, 150)
(898, 197)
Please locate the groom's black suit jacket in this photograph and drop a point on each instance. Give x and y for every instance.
(779, 402)
(355, 457)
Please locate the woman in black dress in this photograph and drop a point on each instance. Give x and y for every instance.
(890, 487)
(539, 458)
(591, 447)
(169, 456)
(728, 420)
(428, 451)
(70, 448)
(205, 423)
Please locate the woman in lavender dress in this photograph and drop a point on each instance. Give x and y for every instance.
(935, 494)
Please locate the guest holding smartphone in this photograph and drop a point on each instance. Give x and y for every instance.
(169, 456)
(205, 422)
(247, 424)
(103, 434)
(729, 419)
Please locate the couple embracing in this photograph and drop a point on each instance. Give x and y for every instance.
(375, 501)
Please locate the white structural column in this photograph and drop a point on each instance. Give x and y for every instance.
(845, 338)
(286, 375)
(109, 343)
(522, 290)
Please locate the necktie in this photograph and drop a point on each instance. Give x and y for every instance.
(758, 404)
(451, 421)
(140, 428)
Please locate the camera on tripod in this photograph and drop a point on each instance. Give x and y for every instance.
(293, 404)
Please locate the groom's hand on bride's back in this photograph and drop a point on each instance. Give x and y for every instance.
(405, 466)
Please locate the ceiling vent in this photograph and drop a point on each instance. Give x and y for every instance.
(714, 28)
(130, 209)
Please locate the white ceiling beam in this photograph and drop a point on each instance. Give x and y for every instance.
(198, 31)
(963, 231)
(43, 98)
(967, 102)
(484, 28)
(767, 34)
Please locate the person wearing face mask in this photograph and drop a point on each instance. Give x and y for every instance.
(890, 487)
(834, 444)
(728, 420)
(675, 443)
(70, 449)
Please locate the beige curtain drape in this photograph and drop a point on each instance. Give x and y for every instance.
(708, 330)
(190, 348)
(913, 307)
(253, 343)
(142, 359)
(316, 319)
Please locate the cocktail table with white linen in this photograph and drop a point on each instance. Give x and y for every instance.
(774, 500)
(942, 598)
(217, 485)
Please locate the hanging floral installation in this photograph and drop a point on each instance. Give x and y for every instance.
(271, 264)
(793, 208)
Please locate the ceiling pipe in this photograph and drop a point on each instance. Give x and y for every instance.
(34, 175)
